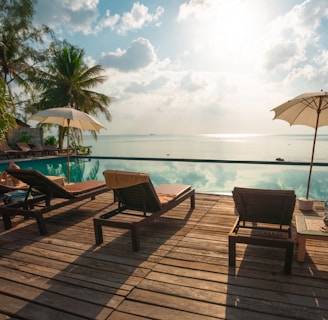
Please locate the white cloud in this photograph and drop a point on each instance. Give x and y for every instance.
(139, 55)
(147, 87)
(83, 16)
(67, 16)
(135, 19)
(196, 9)
(304, 74)
(294, 34)
(138, 17)
(191, 83)
(285, 54)
(231, 61)
(109, 22)
(294, 49)
(152, 99)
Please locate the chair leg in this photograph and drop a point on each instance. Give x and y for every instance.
(192, 201)
(98, 232)
(41, 224)
(232, 250)
(115, 196)
(289, 258)
(6, 221)
(135, 237)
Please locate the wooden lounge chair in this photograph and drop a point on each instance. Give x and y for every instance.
(264, 219)
(43, 191)
(28, 150)
(138, 198)
(5, 187)
(7, 151)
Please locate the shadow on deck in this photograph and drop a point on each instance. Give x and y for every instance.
(181, 271)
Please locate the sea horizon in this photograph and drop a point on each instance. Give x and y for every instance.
(157, 155)
(221, 146)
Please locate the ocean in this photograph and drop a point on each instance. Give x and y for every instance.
(248, 160)
(210, 163)
(260, 147)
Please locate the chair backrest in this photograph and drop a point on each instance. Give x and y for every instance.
(134, 190)
(4, 147)
(265, 206)
(23, 146)
(40, 182)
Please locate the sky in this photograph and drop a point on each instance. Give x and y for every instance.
(197, 66)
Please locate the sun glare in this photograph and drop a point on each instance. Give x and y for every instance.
(229, 28)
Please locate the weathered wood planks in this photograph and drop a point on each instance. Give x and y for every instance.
(181, 271)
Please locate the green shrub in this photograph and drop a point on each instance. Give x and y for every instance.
(25, 137)
(50, 141)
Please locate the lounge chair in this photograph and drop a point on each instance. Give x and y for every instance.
(9, 187)
(27, 149)
(137, 197)
(44, 190)
(7, 151)
(9, 183)
(50, 151)
(264, 219)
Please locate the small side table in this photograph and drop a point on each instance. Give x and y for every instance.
(308, 227)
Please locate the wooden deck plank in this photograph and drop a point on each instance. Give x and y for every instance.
(53, 300)
(97, 295)
(159, 312)
(217, 305)
(181, 271)
(22, 309)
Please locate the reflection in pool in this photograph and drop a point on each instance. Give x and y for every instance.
(206, 177)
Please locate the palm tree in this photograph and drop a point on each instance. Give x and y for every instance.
(7, 120)
(18, 39)
(67, 80)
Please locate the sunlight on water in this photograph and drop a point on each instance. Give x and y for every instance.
(206, 177)
(218, 178)
(229, 136)
(212, 146)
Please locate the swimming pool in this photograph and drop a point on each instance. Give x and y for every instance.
(218, 177)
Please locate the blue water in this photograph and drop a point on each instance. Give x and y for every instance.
(205, 176)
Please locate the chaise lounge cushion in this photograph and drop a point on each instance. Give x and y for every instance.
(163, 194)
(117, 179)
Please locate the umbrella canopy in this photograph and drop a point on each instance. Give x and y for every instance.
(309, 109)
(67, 117)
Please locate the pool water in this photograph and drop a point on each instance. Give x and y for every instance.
(205, 177)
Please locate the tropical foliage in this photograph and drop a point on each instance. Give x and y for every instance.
(7, 120)
(19, 40)
(34, 77)
(67, 81)
(18, 57)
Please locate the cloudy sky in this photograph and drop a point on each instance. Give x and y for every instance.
(198, 66)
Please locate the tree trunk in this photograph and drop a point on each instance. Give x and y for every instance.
(61, 133)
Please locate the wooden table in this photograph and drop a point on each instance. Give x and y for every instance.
(308, 227)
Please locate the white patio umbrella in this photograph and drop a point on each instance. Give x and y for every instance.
(309, 109)
(68, 117)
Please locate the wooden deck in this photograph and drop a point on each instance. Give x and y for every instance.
(181, 271)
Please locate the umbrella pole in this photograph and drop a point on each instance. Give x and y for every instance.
(312, 156)
(67, 153)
